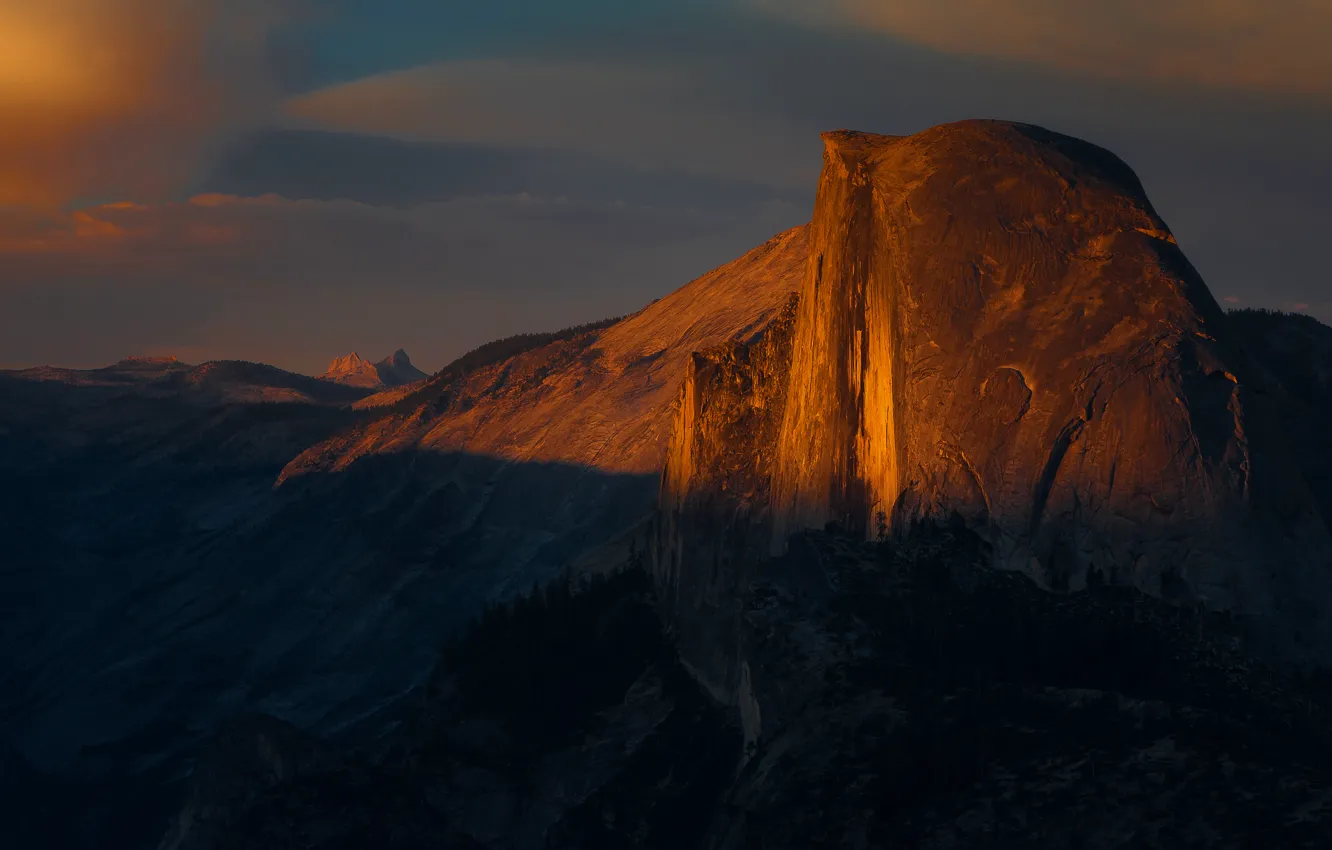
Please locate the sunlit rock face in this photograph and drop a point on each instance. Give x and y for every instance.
(995, 323)
(713, 509)
(396, 370)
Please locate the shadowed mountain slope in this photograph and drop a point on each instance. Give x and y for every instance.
(157, 582)
(908, 694)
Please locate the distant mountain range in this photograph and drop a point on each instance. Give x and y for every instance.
(237, 380)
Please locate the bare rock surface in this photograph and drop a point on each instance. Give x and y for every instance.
(353, 370)
(995, 323)
(601, 399)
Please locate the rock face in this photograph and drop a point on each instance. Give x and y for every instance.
(352, 369)
(355, 371)
(994, 323)
(602, 399)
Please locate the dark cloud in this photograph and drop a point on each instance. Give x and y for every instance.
(1269, 45)
(1243, 178)
(385, 171)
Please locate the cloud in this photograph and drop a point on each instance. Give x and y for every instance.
(120, 97)
(383, 171)
(657, 113)
(1232, 299)
(1267, 45)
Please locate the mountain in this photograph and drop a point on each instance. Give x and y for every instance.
(353, 370)
(214, 382)
(995, 324)
(393, 371)
(158, 583)
(565, 592)
(127, 372)
(601, 400)
(397, 369)
(997, 356)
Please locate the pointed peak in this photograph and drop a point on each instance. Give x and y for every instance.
(352, 369)
(347, 361)
(397, 358)
(397, 369)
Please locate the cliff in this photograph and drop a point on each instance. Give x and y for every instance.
(995, 323)
(601, 399)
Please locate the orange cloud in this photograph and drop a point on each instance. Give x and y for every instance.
(120, 97)
(1266, 45)
(123, 231)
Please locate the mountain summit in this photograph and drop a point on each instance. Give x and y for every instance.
(397, 369)
(996, 325)
(354, 370)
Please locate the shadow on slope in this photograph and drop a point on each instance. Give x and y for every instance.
(530, 719)
(902, 695)
(1297, 350)
(156, 584)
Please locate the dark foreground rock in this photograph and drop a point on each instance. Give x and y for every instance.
(898, 695)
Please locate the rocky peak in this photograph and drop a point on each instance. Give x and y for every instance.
(397, 358)
(397, 369)
(995, 324)
(354, 370)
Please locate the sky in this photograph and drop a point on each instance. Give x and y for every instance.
(290, 180)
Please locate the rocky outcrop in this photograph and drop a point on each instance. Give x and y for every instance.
(353, 370)
(995, 323)
(713, 514)
(601, 399)
(397, 369)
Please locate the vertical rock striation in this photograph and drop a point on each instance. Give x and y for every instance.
(713, 509)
